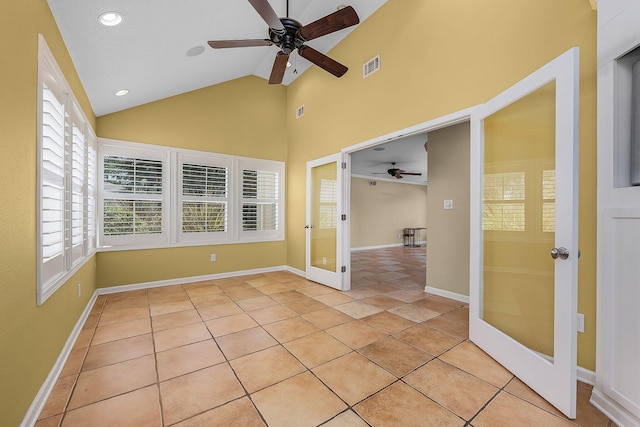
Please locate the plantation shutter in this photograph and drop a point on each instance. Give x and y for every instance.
(91, 193)
(78, 165)
(504, 202)
(203, 198)
(262, 200)
(52, 178)
(63, 179)
(134, 197)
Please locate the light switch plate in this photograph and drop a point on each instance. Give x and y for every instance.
(448, 204)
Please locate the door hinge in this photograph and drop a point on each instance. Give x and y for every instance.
(344, 269)
(344, 217)
(344, 165)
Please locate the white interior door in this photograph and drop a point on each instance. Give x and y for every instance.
(324, 229)
(524, 229)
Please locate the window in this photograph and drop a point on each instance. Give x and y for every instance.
(259, 200)
(66, 180)
(133, 196)
(153, 196)
(548, 201)
(328, 203)
(504, 202)
(203, 198)
(520, 200)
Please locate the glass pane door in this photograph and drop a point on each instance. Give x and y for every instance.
(324, 226)
(524, 229)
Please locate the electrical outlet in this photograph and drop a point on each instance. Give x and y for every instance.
(213, 257)
(324, 260)
(79, 290)
(580, 326)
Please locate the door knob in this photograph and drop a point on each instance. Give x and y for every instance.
(560, 252)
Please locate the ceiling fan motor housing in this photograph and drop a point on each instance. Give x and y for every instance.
(290, 39)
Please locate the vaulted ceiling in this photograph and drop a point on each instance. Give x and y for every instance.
(150, 53)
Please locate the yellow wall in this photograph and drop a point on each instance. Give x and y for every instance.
(380, 212)
(244, 117)
(31, 337)
(438, 57)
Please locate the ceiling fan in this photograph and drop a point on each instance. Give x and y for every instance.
(397, 173)
(289, 35)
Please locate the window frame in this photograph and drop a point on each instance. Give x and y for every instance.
(73, 253)
(174, 236)
(261, 166)
(212, 161)
(136, 151)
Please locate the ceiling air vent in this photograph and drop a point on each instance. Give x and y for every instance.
(300, 111)
(371, 67)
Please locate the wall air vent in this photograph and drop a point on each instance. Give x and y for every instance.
(371, 67)
(300, 111)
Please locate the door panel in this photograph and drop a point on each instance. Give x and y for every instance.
(523, 204)
(324, 228)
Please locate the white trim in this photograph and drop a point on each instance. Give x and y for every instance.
(612, 410)
(367, 248)
(169, 282)
(428, 126)
(586, 376)
(447, 294)
(40, 400)
(295, 271)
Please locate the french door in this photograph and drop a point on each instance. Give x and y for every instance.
(524, 229)
(324, 229)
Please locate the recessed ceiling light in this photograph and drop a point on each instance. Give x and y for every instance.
(288, 64)
(110, 19)
(122, 92)
(195, 51)
(379, 149)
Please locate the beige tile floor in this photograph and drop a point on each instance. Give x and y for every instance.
(275, 349)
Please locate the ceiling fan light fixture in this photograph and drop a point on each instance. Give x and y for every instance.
(121, 92)
(110, 19)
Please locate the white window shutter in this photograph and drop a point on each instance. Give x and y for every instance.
(52, 184)
(203, 198)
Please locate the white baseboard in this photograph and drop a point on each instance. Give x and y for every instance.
(586, 376)
(368, 248)
(169, 282)
(296, 271)
(447, 294)
(614, 411)
(45, 390)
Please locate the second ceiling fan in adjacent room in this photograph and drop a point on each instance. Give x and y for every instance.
(289, 35)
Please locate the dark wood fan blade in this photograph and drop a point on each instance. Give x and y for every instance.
(223, 44)
(267, 13)
(411, 173)
(322, 61)
(343, 18)
(279, 66)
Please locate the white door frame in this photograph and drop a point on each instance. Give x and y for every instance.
(428, 126)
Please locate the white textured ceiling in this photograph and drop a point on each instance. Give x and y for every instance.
(408, 153)
(146, 53)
